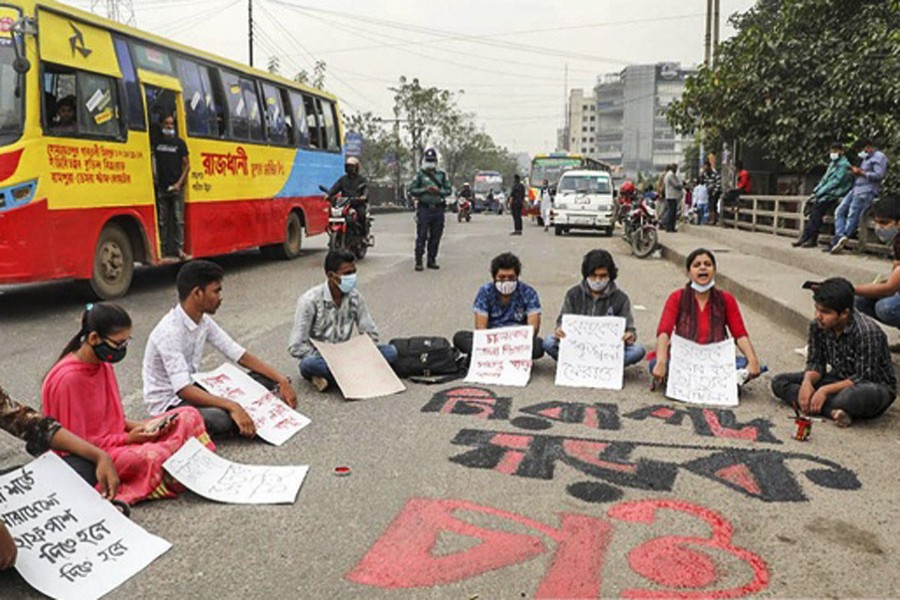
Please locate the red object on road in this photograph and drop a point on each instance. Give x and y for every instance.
(804, 428)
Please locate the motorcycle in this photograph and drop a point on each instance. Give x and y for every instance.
(465, 210)
(641, 227)
(345, 230)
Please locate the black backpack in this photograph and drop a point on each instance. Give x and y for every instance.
(425, 356)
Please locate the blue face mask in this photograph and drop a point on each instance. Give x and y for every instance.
(348, 283)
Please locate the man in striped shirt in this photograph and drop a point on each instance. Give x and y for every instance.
(861, 383)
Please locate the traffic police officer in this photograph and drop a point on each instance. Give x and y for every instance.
(430, 186)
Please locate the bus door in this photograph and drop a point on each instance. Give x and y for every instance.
(170, 214)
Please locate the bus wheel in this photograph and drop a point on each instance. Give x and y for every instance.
(293, 241)
(113, 264)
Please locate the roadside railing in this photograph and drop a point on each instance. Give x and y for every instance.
(783, 215)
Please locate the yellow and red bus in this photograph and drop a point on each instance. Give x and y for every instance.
(550, 167)
(77, 200)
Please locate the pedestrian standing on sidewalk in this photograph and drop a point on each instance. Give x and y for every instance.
(833, 186)
(170, 154)
(701, 203)
(674, 192)
(430, 186)
(517, 203)
(713, 181)
(881, 300)
(861, 383)
(869, 176)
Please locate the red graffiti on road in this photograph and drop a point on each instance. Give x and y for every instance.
(404, 557)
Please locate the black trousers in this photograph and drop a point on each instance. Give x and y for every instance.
(862, 401)
(817, 214)
(516, 209)
(671, 213)
(429, 229)
(462, 341)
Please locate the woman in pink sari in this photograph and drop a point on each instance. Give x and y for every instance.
(81, 392)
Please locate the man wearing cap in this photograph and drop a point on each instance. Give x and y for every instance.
(430, 186)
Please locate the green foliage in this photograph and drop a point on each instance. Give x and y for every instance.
(274, 65)
(798, 75)
(317, 79)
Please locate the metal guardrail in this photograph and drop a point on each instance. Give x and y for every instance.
(783, 215)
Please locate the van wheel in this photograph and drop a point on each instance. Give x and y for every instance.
(557, 230)
(113, 267)
(293, 241)
(609, 230)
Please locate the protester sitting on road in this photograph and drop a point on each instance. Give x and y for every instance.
(866, 186)
(328, 313)
(861, 383)
(504, 302)
(81, 392)
(175, 348)
(598, 296)
(703, 314)
(833, 186)
(44, 433)
(881, 300)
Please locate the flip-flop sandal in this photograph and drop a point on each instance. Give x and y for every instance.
(122, 507)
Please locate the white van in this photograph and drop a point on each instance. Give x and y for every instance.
(584, 200)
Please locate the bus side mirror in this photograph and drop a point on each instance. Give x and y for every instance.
(21, 65)
(615, 193)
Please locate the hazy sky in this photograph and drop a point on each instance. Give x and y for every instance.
(509, 56)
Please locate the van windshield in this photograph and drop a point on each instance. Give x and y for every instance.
(587, 184)
(11, 93)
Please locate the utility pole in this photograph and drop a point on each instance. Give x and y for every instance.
(715, 40)
(707, 57)
(121, 11)
(250, 28)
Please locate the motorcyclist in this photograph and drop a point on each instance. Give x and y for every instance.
(627, 194)
(352, 185)
(466, 193)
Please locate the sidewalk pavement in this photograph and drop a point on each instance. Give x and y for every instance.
(765, 272)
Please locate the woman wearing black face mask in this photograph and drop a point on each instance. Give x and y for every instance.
(81, 392)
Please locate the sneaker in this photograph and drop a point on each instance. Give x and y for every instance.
(841, 419)
(809, 244)
(839, 245)
(320, 383)
(433, 265)
(798, 243)
(419, 266)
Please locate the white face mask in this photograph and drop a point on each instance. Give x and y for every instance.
(506, 287)
(863, 155)
(598, 285)
(703, 288)
(168, 131)
(834, 156)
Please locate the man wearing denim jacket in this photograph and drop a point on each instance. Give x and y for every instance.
(869, 176)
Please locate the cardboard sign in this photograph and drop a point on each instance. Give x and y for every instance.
(702, 373)
(275, 421)
(359, 368)
(71, 542)
(501, 356)
(592, 354)
(211, 476)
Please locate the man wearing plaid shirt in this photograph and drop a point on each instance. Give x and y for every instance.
(861, 383)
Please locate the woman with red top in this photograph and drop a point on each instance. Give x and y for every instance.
(81, 392)
(702, 314)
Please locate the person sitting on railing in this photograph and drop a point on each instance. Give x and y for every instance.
(833, 186)
(869, 176)
(881, 299)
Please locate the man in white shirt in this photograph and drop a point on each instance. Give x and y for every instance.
(175, 348)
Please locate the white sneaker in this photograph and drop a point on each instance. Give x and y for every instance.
(320, 383)
(839, 245)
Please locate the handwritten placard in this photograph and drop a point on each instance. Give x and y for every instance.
(275, 421)
(71, 542)
(213, 477)
(501, 356)
(702, 373)
(359, 368)
(592, 354)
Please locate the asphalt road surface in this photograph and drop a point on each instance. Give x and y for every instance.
(500, 493)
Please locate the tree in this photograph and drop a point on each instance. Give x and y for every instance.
(274, 65)
(800, 74)
(381, 154)
(424, 113)
(317, 79)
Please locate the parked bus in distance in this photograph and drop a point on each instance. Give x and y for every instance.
(551, 167)
(77, 200)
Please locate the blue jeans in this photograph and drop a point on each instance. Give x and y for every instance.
(849, 212)
(634, 353)
(740, 362)
(886, 310)
(702, 213)
(313, 365)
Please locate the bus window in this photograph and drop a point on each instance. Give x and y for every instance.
(80, 103)
(276, 126)
(202, 102)
(237, 106)
(134, 103)
(330, 127)
(215, 100)
(312, 123)
(254, 115)
(302, 126)
(288, 118)
(153, 59)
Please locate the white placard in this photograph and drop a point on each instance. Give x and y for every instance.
(359, 368)
(94, 101)
(213, 477)
(592, 354)
(501, 356)
(195, 100)
(71, 542)
(275, 421)
(702, 373)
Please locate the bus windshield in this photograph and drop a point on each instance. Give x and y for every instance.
(485, 182)
(586, 184)
(10, 94)
(551, 169)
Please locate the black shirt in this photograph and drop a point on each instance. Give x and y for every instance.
(169, 153)
(348, 186)
(518, 192)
